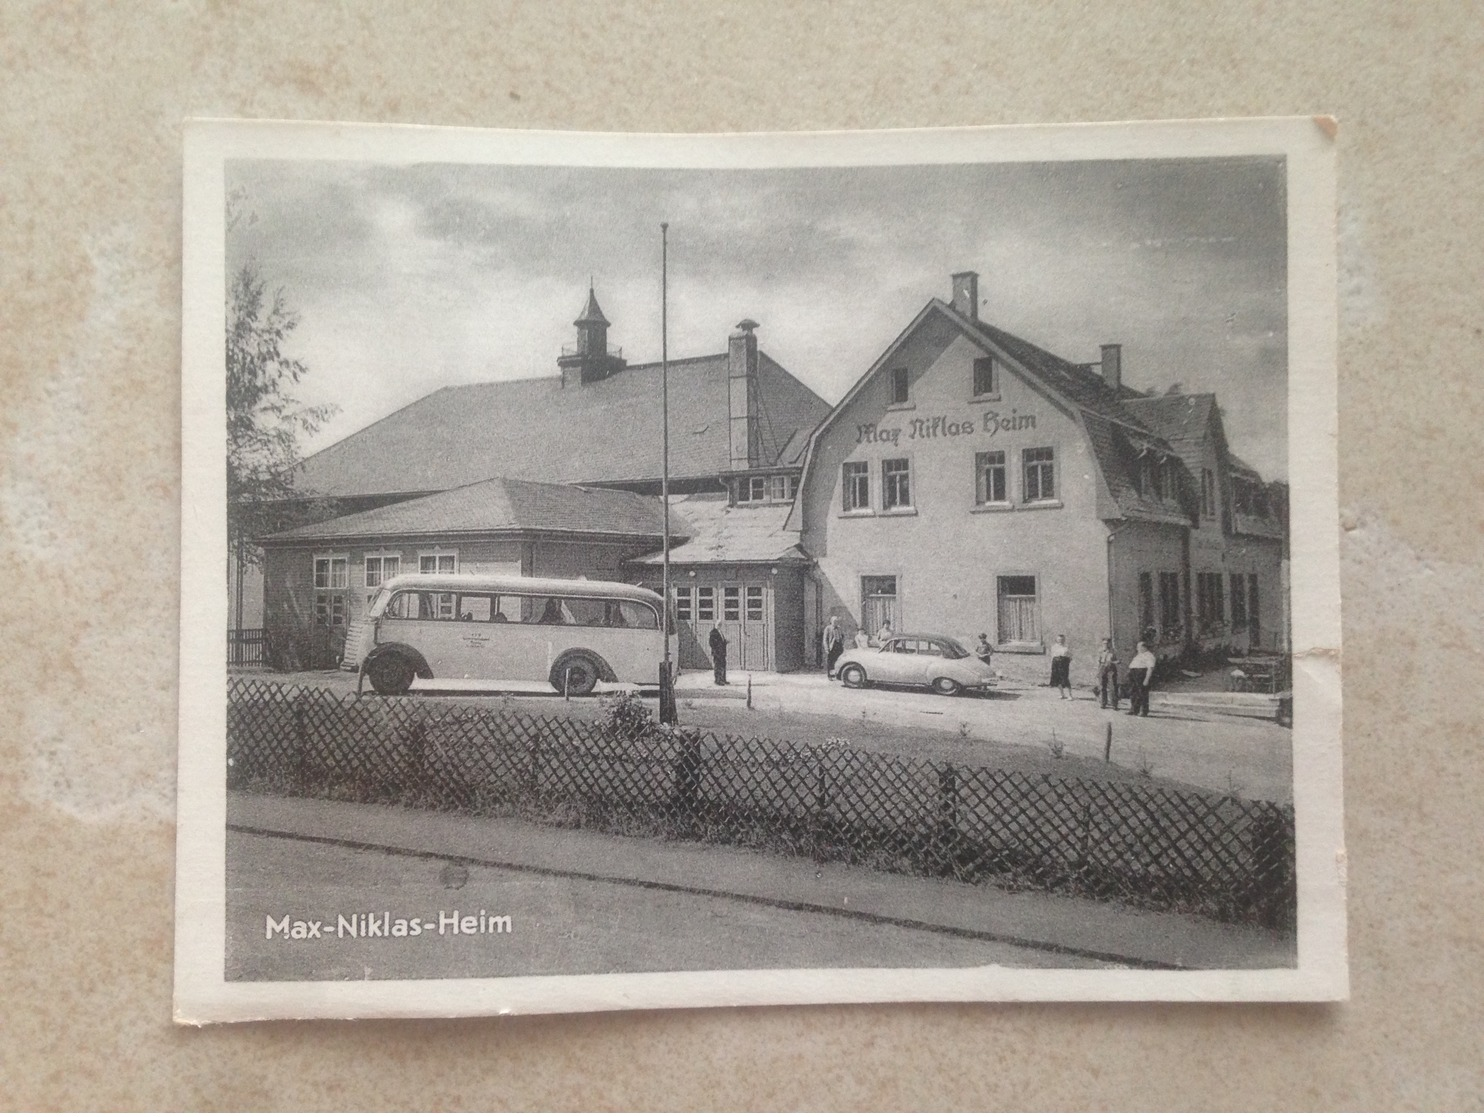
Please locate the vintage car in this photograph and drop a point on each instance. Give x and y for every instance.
(940, 662)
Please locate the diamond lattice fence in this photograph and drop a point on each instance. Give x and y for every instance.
(1229, 858)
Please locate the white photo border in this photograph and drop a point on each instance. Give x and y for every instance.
(203, 995)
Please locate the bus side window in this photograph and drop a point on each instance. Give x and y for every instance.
(499, 610)
(474, 607)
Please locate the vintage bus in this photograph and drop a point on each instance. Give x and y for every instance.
(572, 634)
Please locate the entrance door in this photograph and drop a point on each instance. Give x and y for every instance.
(740, 610)
(1254, 612)
(878, 602)
(743, 620)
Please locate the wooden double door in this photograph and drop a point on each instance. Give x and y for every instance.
(742, 610)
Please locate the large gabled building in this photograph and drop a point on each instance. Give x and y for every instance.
(439, 481)
(971, 482)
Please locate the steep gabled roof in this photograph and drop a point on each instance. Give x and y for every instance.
(1116, 433)
(501, 506)
(608, 430)
(721, 532)
(1181, 420)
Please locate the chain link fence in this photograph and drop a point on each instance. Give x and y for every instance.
(1215, 855)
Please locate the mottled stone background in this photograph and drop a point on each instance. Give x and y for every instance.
(90, 186)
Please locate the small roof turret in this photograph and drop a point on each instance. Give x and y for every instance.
(592, 314)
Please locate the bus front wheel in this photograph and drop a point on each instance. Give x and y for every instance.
(574, 674)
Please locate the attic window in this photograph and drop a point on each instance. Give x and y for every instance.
(986, 377)
(899, 385)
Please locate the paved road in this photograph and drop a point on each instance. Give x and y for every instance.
(558, 924)
(1024, 726)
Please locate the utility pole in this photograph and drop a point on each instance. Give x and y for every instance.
(667, 680)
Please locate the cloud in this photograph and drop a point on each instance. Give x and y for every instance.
(412, 277)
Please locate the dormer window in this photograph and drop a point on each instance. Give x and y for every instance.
(766, 490)
(1208, 494)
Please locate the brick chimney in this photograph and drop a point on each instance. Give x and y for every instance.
(966, 294)
(1113, 366)
(743, 394)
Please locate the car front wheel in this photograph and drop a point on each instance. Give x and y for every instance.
(853, 675)
(944, 685)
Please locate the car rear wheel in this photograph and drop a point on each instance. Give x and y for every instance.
(944, 685)
(575, 674)
(853, 675)
(391, 674)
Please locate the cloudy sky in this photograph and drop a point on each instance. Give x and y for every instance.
(410, 278)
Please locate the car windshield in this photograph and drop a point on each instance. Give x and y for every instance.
(952, 649)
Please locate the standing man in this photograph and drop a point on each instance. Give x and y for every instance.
(1061, 667)
(1140, 675)
(718, 644)
(834, 645)
(1108, 674)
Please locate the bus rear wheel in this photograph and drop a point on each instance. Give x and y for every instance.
(391, 674)
(574, 674)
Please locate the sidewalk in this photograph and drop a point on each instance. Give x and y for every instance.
(1104, 932)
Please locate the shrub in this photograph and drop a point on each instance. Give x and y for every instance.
(625, 715)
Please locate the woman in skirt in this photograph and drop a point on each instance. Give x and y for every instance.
(1061, 667)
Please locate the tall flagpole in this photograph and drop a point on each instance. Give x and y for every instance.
(667, 693)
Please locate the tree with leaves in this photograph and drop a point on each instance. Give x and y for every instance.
(265, 420)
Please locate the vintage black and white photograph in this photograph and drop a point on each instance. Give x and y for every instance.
(649, 571)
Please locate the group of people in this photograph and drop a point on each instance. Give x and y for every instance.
(834, 641)
(1140, 675)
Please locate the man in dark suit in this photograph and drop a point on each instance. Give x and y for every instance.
(718, 644)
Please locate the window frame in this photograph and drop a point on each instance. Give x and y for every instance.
(443, 602)
(901, 386)
(850, 472)
(749, 595)
(993, 391)
(982, 496)
(1048, 463)
(902, 478)
(329, 600)
(1038, 644)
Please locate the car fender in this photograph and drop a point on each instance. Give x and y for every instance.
(606, 673)
(411, 654)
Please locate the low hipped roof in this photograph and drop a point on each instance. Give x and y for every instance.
(721, 532)
(604, 431)
(500, 506)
